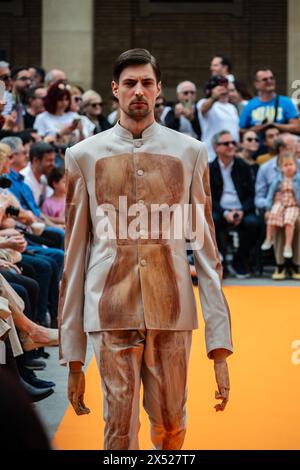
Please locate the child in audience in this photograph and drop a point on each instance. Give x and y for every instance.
(283, 203)
(54, 206)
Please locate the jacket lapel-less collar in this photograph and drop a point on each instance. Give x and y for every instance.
(148, 133)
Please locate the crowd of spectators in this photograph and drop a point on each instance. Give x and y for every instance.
(249, 140)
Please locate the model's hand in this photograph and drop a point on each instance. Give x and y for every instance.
(222, 378)
(76, 389)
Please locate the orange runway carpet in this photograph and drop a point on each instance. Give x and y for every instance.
(264, 407)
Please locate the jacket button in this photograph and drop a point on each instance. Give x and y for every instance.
(143, 262)
(138, 144)
(140, 172)
(141, 202)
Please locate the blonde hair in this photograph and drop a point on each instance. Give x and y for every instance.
(5, 152)
(286, 156)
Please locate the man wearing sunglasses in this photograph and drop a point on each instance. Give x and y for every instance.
(269, 107)
(232, 190)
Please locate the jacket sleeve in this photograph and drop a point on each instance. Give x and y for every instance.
(207, 261)
(71, 302)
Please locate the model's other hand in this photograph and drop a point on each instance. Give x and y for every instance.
(76, 389)
(222, 378)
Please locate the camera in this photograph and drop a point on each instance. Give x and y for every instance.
(235, 216)
(11, 210)
(4, 182)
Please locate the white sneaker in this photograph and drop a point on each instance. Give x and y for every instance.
(267, 244)
(287, 252)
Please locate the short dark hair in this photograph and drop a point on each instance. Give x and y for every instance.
(39, 71)
(224, 61)
(16, 70)
(263, 133)
(55, 176)
(261, 69)
(135, 57)
(38, 150)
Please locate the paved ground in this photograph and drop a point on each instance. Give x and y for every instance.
(53, 408)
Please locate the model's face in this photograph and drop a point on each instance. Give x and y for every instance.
(137, 91)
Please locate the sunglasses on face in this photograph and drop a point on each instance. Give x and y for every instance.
(229, 142)
(77, 99)
(188, 92)
(266, 79)
(5, 78)
(250, 139)
(94, 105)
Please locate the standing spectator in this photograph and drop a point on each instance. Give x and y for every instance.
(232, 191)
(184, 117)
(238, 95)
(249, 145)
(216, 113)
(37, 76)
(35, 99)
(54, 76)
(161, 110)
(57, 120)
(5, 76)
(220, 65)
(269, 135)
(92, 108)
(269, 107)
(21, 82)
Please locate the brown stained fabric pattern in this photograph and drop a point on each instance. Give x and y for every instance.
(159, 287)
(169, 382)
(120, 355)
(70, 205)
(120, 303)
(161, 183)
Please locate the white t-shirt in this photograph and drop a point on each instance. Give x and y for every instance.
(220, 117)
(49, 124)
(40, 189)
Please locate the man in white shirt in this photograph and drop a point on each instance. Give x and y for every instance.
(216, 113)
(42, 161)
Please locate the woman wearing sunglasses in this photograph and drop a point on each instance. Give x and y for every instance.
(249, 147)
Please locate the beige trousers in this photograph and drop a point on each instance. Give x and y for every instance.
(160, 360)
(279, 240)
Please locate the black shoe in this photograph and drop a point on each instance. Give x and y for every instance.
(29, 377)
(34, 364)
(240, 270)
(36, 394)
(40, 352)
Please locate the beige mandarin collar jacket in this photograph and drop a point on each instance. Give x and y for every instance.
(144, 282)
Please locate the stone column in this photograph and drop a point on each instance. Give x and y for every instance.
(293, 52)
(67, 39)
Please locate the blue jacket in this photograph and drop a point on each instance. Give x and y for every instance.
(275, 186)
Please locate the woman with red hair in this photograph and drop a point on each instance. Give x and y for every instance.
(57, 121)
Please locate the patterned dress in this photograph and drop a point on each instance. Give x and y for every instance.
(285, 209)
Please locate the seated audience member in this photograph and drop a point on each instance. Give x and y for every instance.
(232, 191)
(249, 147)
(283, 203)
(54, 76)
(57, 122)
(216, 113)
(37, 76)
(92, 108)
(184, 117)
(54, 206)
(268, 136)
(267, 173)
(161, 110)
(269, 107)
